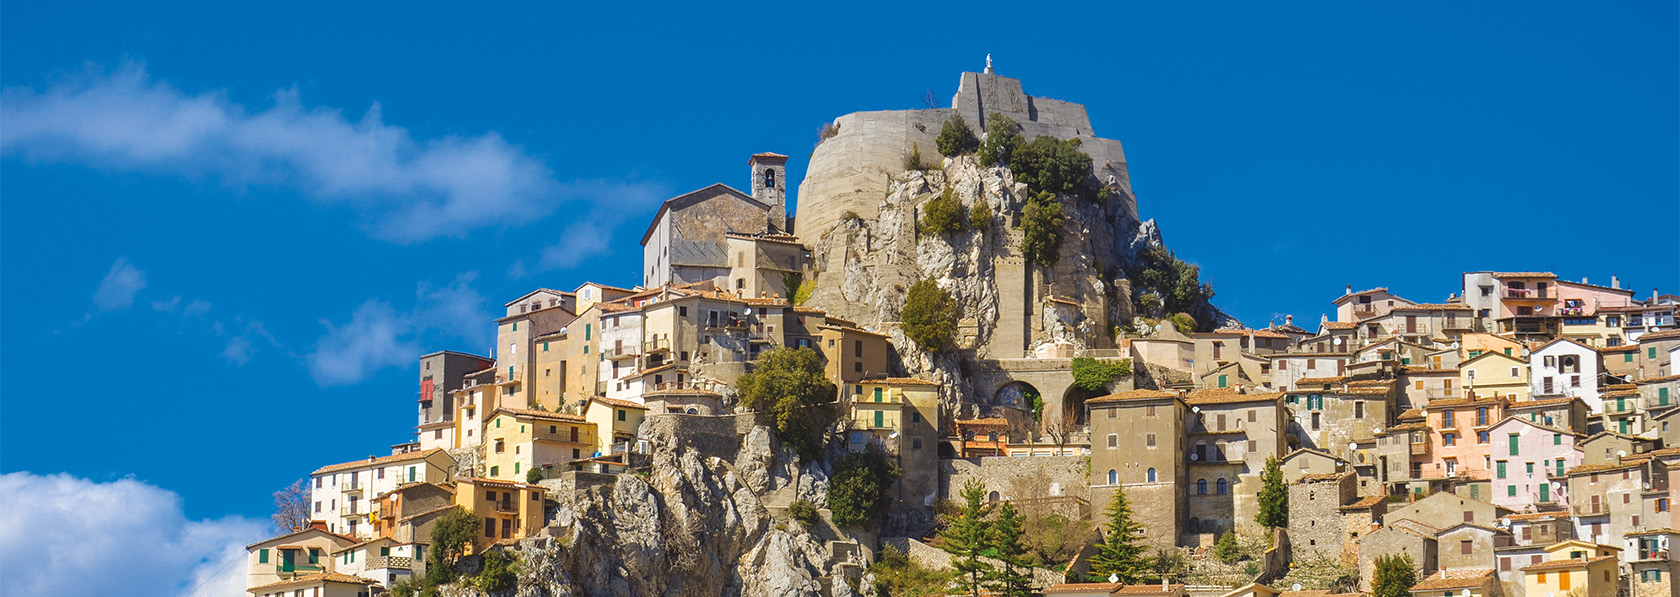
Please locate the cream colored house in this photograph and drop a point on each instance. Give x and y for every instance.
(1493, 374)
(615, 421)
(518, 440)
(320, 584)
(344, 495)
(509, 511)
(303, 552)
(1574, 567)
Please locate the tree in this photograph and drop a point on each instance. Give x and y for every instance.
(930, 316)
(858, 495)
(500, 572)
(1274, 496)
(790, 392)
(1041, 229)
(914, 161)
(1015, 579)
(968, 536)
(1121, 552)
(1049, 164)
(942, 214)
(451, 537)
(534, 475)
(291, 507)
(955, 138)
(1170, 562)
(1003, 136)
(1226, 549)
(980, 217)
(1394, 576)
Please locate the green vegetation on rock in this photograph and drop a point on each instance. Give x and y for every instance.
(942, 214)
(981, 216)
(1054, 165)
(804, 512)
(789, 391)
(1094, 375)
(955, 138)
(1041, 229)
(930, 316)
(1003, 135)
(1177, 283)
(860, 491)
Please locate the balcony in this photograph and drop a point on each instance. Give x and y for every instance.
(671, 386)
(288, 568)
(507, 507)
(1420, 449)
(1529, 294)
(390, 563)
(348, 511)
(657, 345)
(1589, 509)
(619, 353)
(351, 488)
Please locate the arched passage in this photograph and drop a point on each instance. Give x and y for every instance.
(1017, 394)
(1073, 402)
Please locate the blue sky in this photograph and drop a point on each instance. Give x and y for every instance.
(227, 231)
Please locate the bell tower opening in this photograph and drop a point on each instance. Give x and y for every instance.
(769, 186)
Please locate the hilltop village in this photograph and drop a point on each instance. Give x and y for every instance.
(1513, 439)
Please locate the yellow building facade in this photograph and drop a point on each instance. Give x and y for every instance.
(507, 511)
(615, 421)
(1574, 568)
(1495, 374)
(518, 440)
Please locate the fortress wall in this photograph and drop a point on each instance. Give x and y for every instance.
(850, 171)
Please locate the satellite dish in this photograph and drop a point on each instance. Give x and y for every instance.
(1194, 457)
(562, 329)
(1338, 341)
(1525, 352)
(1295, 587)
(1647, 485)
(1195, 409)
(747, 311)
(1113, 577)
(1352, 446)
(1621, 453)
(1505, 522)
(1465, 592)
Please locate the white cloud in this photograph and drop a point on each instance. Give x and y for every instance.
(379, 336)
(116, 292)
(590, 233)
(410, 189)
(66, 536)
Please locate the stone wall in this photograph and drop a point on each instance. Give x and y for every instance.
(1316, 527)
(1017, 478)
(714, 436)
(933, 558)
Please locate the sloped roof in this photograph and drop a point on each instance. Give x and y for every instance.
(696, 196)
(392, 459)
(1455, 579)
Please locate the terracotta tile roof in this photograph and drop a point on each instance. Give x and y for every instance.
(1622, 348)
(1619, 394)
(1603, 467)
(1081, 587)
(1230, 396)
(1451, 402)
(1662, 335)
(986, 422)
(1411, 413)
(1663, 379)
(1340, 325)
(1661, 531)
(377, 461)
(905, 381)
(1133, 395)
(1540, 403)
(1538, 516)
(618, 403)
(1455, 579)
(767, 157)
(1147, 589)
(309, 579)
(681, 392)
(1320, 380)
(538, 414)
(1568, 563)
(1364, 502)
(300, 532)
(1416, 370)
(1524, 275)
(483, 482)
(1419, 426)
(1663, 453)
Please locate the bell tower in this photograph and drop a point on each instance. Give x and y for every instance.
(769, 186)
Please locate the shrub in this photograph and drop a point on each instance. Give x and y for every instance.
(1226, 549)
(1094, 375)
(930, 315)
(1394, 576)
(942, 214)
(914, 160)
(804, 292)
(790, 392)
(828, 131)
(858, 494)
(849, 216)
(981, 216)
(1184, 322)
(897, 575)
(804, 512)
(533, 475)
(1055, 165)
(1003, 136)
(955, 138)
(1178, 283)
(1041, 227)
(500, 572)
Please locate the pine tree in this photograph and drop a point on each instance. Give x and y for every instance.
(1015, 579)
(1394, 576)
(1274, 496)
(1121, 552)
(968, 536)
(1226, 549)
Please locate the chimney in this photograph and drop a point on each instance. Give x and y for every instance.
(1653, 296)
(1323, 319)
(1583, 279)
(1289, 320)
(1615, 282)
(1350, 289)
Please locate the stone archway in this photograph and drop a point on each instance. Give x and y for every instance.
(1017, 394)
(1073, 403)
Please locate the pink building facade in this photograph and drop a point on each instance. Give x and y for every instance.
(1529, 462)
(1460, 438)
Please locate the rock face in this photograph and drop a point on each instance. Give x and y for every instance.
(694, 526)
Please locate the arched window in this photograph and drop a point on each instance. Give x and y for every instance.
(693, 411)
(1224, 487)
(993, 496)
(769, 178)
(1201, 486)
(1114, 477)
(1151, 474)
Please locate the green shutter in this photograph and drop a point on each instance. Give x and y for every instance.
(515, 326)
(1662, 396)
(1545, 492)
(262, 556)
(515, 468)
(545, 347)
(1222, 381)
(1557, 439)
(494, 470)
(877, 394)
(314, 556)
(411, 474)
(1475, 492)
(1651, 353)
(1560, 468)
(1511, 490)
(1530, 467)
(588, 331)
(1500, 468)
(1515, 440)
(880, 418)
(1627, 357)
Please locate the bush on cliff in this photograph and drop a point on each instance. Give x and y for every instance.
(1178, 283)
(942, 214)
(1041, 228)
(981, 216)
(930, 316)
(1055, 165)
(1094, 375)
(788, 390)
(860, 491)
(955, 138)
(1003, 135)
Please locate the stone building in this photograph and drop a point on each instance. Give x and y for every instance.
(1315, 515)
(1529, 462)
(686, 242)
(1397, 540)
(441, 375)
(1307, 461)
(1231, 435)
(1606, 498)
(1138, 445)
(1470, 546)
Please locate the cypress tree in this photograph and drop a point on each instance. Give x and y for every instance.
(1274, 496)
(1121, 552)
(969, 535)
(1015, 579)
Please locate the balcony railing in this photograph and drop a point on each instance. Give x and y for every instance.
(390, 562)
(1526, 293)
(289, 568)
(1589, 509)
(506, 507)
(657, 344)
(1420, 448)
(623, 352)
(350, 511)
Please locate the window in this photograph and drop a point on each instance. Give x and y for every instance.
(1464, 547)
(495, 470)
(769, 178)
(1223, 486)
(1150, 475)
(1201, 486)
(1447, 419)
(1511, 490)
(1149, 441)
(916, 443)
(1516, 441)
(1481, 437)
(1557, 439)
(1113, 477)
(489, 527)
(1359, 409)
(262, 556)
(1113, 441)
(1499, 469)
(1449, 439)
